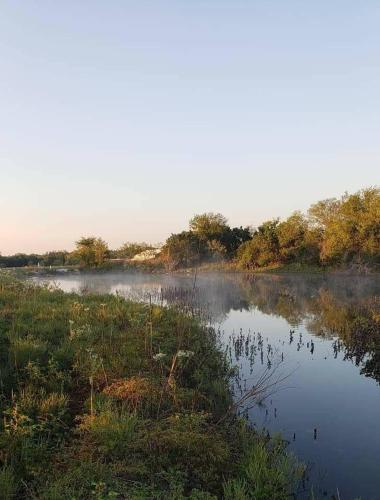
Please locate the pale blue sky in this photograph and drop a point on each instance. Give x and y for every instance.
(124, 118)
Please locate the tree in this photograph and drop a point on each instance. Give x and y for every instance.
(92, 251)
(19, 260)
(101, 251)
(54, 258)
(292, 238)
(263, 249)
(222, 240)
(233, 238)
(322, 212)
(184, 249)
(129, 250)
(350, 226)
(217, 250)
(85, 249)
(208, 224)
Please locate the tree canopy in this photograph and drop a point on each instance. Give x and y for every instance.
(208, 224)
(344, 231)
(92, 251)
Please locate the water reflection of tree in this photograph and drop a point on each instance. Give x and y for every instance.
(361, 336)
(213, 296)
(346, 308)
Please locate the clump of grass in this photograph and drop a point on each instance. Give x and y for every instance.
(109, 433)
(8, 483)
(26, 350)
(266, 470)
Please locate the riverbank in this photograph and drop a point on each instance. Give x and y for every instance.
(106, 398)
(157, 267)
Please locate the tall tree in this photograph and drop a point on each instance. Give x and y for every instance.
(91, 251)
(263, 248)
(101, 251)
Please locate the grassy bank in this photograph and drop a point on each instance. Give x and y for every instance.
(104, 398)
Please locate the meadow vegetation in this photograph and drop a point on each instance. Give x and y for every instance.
(105, 398)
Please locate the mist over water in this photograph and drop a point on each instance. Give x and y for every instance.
(321, 333)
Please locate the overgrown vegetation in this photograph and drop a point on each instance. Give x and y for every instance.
(105, 398)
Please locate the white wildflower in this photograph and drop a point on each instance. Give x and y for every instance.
(185, 354)
(159, 356)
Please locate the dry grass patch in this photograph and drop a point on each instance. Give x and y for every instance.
(134, 390)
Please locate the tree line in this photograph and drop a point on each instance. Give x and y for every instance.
(333, 232)
(90, 251)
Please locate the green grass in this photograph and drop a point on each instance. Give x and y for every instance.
(89, 411)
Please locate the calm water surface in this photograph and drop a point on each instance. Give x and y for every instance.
(320, 333)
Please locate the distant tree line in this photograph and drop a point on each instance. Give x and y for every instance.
(90, 251)
(55, 258)
(334, 232)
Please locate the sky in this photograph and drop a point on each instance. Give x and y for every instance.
(122, 119)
